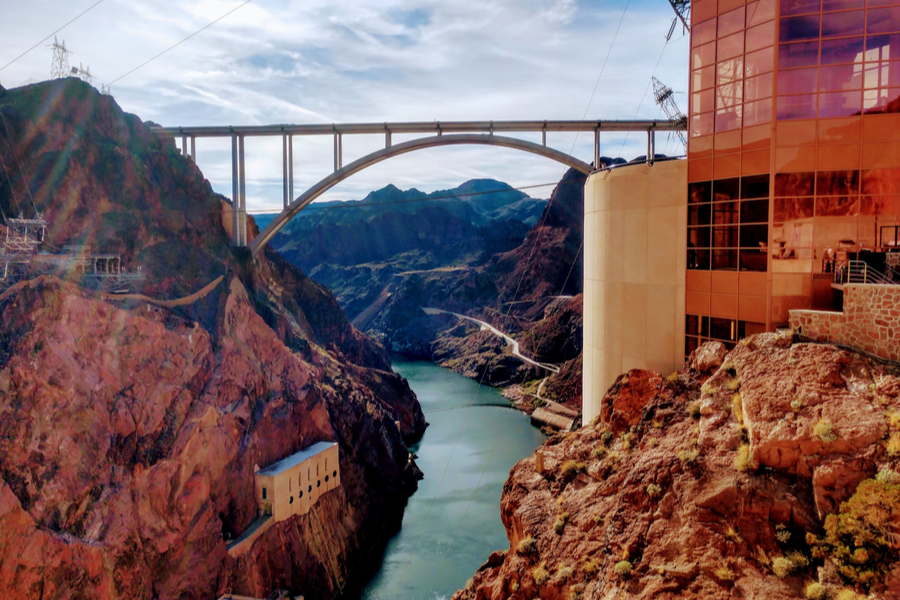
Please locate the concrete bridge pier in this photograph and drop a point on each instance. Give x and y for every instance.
(238, 192)
(287, 159)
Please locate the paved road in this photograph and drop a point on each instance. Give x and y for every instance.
(497, 332)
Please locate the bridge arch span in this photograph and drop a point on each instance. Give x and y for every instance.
(266, 235)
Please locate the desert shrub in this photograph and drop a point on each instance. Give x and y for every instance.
(590, 568)
(724, 572)
(652, 442)
(654, 490)
(627, 440)
(564, 572)
(689, 455)
(782, 566)
(798, 559)
(560, 524)
(672, 379)
(570, 468)
(861, 539)
(623, 569)
(733, 385)
(526, 546)
(576, 591)
(693, 409)
(887, 476)
(796, 404)
(893, 445)
(737, 408)
(732, 534)
(742, 458)
(824, 431)
(540, 574)
(815, 591)
(894, 419)
(606, 436)
(782, 534)
(599, 452)
(848, 594)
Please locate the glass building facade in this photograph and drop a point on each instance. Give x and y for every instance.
(793, 156)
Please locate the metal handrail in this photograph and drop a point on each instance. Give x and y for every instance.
(858, 271)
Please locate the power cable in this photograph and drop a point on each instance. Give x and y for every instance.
(173, 46)
(19, 163)
(51, 35)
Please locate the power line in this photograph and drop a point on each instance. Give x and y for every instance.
(172, 47)
(51, 35)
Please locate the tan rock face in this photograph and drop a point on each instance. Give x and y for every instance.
(667, 510)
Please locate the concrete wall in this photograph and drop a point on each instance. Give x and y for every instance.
(870, 321)
(635, 221)
(295, 490)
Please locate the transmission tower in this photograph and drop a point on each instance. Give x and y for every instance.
(665, 97)
(60, 67)
(83, 73)
(682, 13)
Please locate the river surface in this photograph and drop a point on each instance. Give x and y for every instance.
(452, 523)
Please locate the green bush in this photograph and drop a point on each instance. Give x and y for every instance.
(861, 539)
(623, 569)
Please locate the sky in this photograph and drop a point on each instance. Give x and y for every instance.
(350, 61)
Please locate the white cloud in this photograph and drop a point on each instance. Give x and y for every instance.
(299, 61)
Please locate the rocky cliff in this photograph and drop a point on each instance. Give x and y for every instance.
(770, 472)
(130, 432)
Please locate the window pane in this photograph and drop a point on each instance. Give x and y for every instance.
(730, 46)
(843, 24)
(799, 7)
(703, 32)
(829, 5)
(724, 260)
(798, 81)
(699, 214)
(883, 20)
(756, 113)
(701, 124)
(840, 77)
(805, 54)
(753, 260)
(704, 78)
(794, 29)
(794, 184)
(883, 47)
(728, 118)
(725, 237)
(842, 51)
(690, 344)
(761, 36)
(726, 189)
(756, 88)
(791, 209)
(882, 101)
(699, 192)
(837, 183)
(731, 22)
(697, 258)
(704, 55)
(699, 237)
(758, 62)
(691, 325)
(837, 206)
(881, 75)
(754, 236)
(755, 211)
(725, 213)
(729, 71)
(729, 95)
(797, 107)
(755, 186)
(840, 104)
(703, 101)
(760, 12)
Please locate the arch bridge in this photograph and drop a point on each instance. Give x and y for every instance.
(441, 134)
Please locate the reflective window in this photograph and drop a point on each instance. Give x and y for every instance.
(848, 50)
(704, 32)
(759, 62)
(797, 107)
(704, 78)
(729, 71)
(729, 95)
(843, 24)
(704, 55)
(760, 36)
(731, 46)
(731, 22)
(883, 20)
(840, 104)
(729, 118)
(837, 183)
(829, 5)
(760, 12)
(759, 87)
(840, 77)
(794, 184)
(798, 81)
(703, 101)
(756, 113)
(755, 211)
(795, 29)
(726, 189)
(799, 7)
(804, 54)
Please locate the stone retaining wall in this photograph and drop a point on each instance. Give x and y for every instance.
(870, 321)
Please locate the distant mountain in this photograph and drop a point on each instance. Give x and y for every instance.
(464, 225)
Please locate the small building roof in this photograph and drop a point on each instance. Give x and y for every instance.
(295, 459)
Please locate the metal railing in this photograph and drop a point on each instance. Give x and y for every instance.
(857, 271)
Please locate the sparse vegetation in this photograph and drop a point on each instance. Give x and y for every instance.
(623, 569)
(798, 559)
(742, 458)
(733, 385)
(848, 594)
(707, 389)
(815, 591)
(782, 534)
(689, 455)
(654, 490)
(672, 379)
(737, 408)
(824, 431)
(796, 404)
(656, 424)
(782, 566)
(888, 476)
(526, 546)
(627, 440)
(761, 557)
(590, 568)
(862, 538)
(564, 572)
(540, 574)
(599, 452)
(606, 436)
(570, 468)
(732, 534)
(560, 524)
(894, 419)
(693, 409)
(724, 572)
(893, 445)
(576, 591)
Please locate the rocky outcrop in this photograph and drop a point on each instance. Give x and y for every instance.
(129, 432)
(771, 475)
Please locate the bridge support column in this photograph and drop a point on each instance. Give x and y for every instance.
(338, 151)
(242, 212)
(184, 149)
(194, 149)
(290, 169)
(284, 167)
(596, 148)
(651, 146)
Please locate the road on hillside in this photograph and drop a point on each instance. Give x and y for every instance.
(485, 326)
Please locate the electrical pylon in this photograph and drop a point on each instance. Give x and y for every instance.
(60, 67)
(665, 97)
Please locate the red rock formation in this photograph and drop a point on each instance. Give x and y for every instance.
(706, 486)
(129, 432)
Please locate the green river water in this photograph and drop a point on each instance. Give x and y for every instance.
(452, 523)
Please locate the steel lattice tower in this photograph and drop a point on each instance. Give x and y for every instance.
(665, 97)
(683, 13)
(60, 67)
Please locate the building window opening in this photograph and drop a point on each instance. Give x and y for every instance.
(319, 483)
(310, 489)
(334, 474)
(291, 500)
(326, 479)
(264, 493)
(300, 494)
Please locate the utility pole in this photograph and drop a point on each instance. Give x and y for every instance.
(60, 66)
